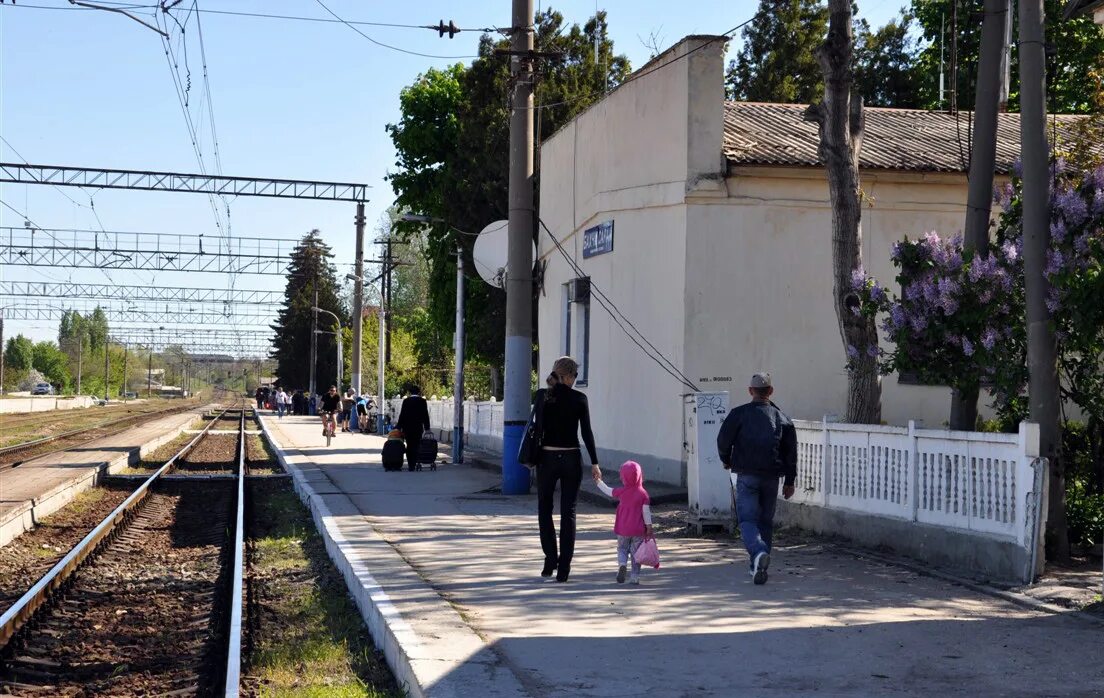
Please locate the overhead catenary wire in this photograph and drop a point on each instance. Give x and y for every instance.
(619, 318)
(388, 46)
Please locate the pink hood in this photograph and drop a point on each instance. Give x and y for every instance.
(631, 474)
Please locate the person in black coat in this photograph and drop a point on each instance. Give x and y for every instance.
(413, 422)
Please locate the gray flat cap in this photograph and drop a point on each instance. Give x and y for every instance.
(760, 380)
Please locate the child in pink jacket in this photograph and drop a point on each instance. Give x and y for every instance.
(634, 517)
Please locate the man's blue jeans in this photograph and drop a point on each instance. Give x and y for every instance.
(756, 498)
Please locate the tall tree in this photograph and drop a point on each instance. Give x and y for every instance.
(777, 62)
(19, 353)
(310, 271)
(840, 120)
(885, 73)
(50, 361)
(1075, 48)
(451, 144)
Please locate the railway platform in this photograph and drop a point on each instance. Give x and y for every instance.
(445, 570)
(42, 485)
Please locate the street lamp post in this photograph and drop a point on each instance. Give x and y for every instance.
(458, 376)
(337, 340)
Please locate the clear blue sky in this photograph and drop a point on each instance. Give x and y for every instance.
(291, 99)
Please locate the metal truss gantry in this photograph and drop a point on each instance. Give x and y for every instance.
(53, 289)
(148, 313)
(94, 178)
(93, 249)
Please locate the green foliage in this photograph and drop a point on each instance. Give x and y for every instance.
(19, 353)
(1078, 49)
(885, 72)
(777, 61)
(1084, 514)
(51, 361)
(452, 163)
(310, 272)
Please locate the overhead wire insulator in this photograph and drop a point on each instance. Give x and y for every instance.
(452, 29)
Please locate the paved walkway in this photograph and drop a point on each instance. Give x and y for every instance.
(457, 564)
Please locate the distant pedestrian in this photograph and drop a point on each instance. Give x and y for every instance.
(413, 422)
(297, 402)
(347, 404)
(565, 414)
(259, 396)
(633, 522)
(758, 443)
(281, 402)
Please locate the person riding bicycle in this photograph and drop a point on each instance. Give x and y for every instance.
(331, 404)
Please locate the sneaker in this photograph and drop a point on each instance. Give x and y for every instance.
(621, 574)
(759, 568)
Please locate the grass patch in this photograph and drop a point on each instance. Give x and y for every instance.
(158, 456)
(307, 636)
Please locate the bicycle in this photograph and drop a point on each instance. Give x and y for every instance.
(328, 426)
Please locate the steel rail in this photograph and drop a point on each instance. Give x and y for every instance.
(233, 655)
(64, 435)
(21, 612)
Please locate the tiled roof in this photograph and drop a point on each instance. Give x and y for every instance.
(895, 139)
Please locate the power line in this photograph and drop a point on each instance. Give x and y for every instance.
(380, 43)
(621, 320)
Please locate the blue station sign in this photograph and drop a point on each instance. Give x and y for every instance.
(598, 240)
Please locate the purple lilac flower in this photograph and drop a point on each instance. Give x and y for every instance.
(1017, 167)
(1098, 202)
(897, 316)
(856, 310)
(858, 279)
(1059, 167)
(948, 287)
(1052, 301)
(954, 340)
(913, 292)
(967, 347)
(989, 338)
(918, 321)
(1011, 251)
(949, 305)
(877, 293)
(985, 295)
(1058, 229)
(852, 351)
(1055, 260)
(1072, 206)
(895, 251)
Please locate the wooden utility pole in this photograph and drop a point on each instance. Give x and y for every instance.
(1042, 352)
(983, 159)
(841, 123)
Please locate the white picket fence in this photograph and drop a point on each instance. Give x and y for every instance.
(972, 481)
(969, 481)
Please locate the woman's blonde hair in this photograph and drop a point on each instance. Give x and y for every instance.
(565, 367)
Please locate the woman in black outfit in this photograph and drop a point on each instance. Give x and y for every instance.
(565, 411)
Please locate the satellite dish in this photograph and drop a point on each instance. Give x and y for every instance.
(490, 253)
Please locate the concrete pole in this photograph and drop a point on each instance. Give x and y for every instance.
(519, 265)
(458, 379)
(107, 369)
(1042, 354)
(123, 390)
(149, 375)
(358, 297)
(1, 355)
(964, 410)
(311, 386)
(80, 358)
(382, 396)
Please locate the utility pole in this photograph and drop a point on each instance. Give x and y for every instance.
(982, 166)
(149, 375)
(519, 266)
(1, 355)
(387, 300)
(358, 298)
(458, 379)
(380, 419)
(107, 369)
(80, 357)
(313, 344)
(954, 56)
(123, 390)
(1042, 354)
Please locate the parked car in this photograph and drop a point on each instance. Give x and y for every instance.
(42, 389)
(130, 396)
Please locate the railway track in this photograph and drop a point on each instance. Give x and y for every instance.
(149, 602)
(14, 456)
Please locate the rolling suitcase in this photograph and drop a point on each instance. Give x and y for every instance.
(394, 451)
(427, 450)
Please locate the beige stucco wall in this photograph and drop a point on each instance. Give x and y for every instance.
(760, 283)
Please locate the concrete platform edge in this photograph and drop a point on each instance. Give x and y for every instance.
(27, 517)
(392, 634)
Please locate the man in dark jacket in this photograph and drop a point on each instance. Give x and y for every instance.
(413, 422)
(758, 443)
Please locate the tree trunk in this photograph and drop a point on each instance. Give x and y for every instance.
(840, 120)
(964, 409)
(1042, 354)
